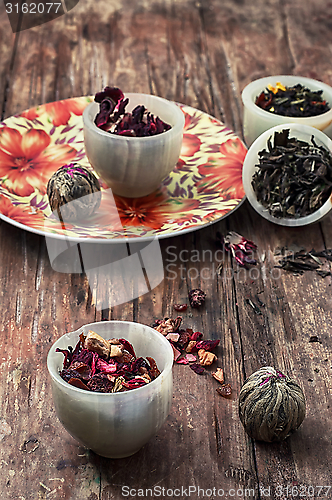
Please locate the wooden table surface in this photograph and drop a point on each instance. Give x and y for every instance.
(201, 53)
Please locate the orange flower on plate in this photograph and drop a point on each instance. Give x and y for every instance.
(19, 214)
(28, 160)
(58, 112)
(224, 173)
(153, 211)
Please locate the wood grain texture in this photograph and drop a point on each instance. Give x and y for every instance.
(201, 54)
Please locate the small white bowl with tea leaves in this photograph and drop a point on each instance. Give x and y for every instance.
(287, 175)
(274, 100)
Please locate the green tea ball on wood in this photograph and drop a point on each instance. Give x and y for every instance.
(68, 190)
(271, 405)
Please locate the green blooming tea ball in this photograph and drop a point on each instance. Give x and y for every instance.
(271, 405)
(75, 190)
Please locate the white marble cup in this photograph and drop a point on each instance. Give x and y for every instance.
(256, 120)
(115, 425)
(302, 132)
(135, 166)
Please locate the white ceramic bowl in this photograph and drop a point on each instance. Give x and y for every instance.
(115, 425)
(302, 132)
(135, 166)
(256, 120)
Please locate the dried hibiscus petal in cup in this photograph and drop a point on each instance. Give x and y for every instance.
(101, 365)
(113, 118)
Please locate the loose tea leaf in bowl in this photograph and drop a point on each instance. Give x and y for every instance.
(293, 178)
(295, 101)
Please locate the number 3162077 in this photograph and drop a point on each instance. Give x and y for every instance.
(33, 8)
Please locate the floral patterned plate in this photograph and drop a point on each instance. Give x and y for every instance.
(204, 187)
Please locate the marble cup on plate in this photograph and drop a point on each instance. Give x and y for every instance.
(135, 166)
(256, 120)
(115, 425)
(302, 132)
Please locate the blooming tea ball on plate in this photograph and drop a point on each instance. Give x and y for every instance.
(73, 192)
(271, 405)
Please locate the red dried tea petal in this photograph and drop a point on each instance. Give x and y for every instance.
(197, 368)
(224, 390)
(207, 345)
(183, 338)
(105, 367)
(180, 307)
(196, 336)
(77, 382)
(176, 352)
(134, 383)
(81, 368)
(154, 371)
(173, 337)
(127, 345)
(191, 357)
(100, 383)
(68, 356)
(182, 361)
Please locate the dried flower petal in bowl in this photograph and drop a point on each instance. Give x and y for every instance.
(112, 116)
(86, 367)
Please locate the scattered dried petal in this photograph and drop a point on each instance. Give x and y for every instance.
(182, 361)
(197, 368)
(219, 375)
(191, 346)
(191, 358)
(180, 307)
(206, 358)
(224, 390)
(207, 345)
(196, 297)
(241, 249)
(173, 337)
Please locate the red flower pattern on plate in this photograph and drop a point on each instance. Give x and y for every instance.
(58, 112)
(28, 160)
(20, 214)
(191, 143)
(224, 174)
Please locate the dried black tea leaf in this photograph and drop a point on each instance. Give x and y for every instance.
(293, 178)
